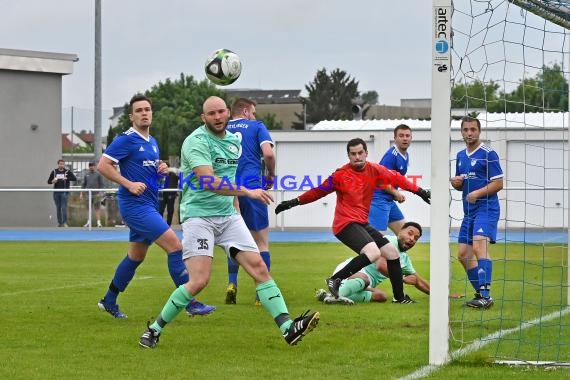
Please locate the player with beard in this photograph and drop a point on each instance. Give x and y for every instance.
(361, 286)
(209, 160)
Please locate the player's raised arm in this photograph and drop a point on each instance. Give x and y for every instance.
(386, 178)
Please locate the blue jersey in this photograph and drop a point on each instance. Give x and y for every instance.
(478, 168)
(138, 159)
(252, 134)
(393, 159)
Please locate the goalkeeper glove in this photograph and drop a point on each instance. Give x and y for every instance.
(286, 205)
(424, 194)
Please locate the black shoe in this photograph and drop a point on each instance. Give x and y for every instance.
(333, 285)
(150, 338)
(300, 327)
(404, 300)
(480, 302)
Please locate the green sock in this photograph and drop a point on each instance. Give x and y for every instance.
(272, 300)
(178, 300)
(351, 286)
(362, 296)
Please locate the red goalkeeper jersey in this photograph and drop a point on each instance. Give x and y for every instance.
(354, 191)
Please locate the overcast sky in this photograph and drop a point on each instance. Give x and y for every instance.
(385, 45)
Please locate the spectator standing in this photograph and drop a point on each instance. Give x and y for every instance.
(93, 180)
(61, 178)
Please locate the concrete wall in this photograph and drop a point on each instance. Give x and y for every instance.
(30, 130)
(30, 125)
(396, 112)
(284, 113)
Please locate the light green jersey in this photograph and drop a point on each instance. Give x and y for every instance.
(406, 263)
(203, 148)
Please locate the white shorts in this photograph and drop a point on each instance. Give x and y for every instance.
(201, 234)
(345, 263)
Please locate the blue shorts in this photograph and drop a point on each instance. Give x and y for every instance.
(384, 212)
(479, 224)
(254, 213)
(145, 223)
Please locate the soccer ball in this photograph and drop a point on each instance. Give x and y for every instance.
(223, 67)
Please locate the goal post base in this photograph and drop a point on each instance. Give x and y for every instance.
(533, 363)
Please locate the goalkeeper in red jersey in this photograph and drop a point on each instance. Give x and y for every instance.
(354, 184)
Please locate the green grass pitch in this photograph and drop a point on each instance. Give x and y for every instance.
(51, 327)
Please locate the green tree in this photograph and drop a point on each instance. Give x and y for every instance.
(177, 106)
(111, 133)
(547, 91)
(370, 97)
(330, 98)
(79, 149)
(475, 94)
(270, 121)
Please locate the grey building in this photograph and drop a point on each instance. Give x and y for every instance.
(30, 126)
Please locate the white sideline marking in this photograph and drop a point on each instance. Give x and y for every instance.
(84, 285)
(480, 343)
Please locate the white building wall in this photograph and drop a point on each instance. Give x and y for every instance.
(535, 182)
(535, 159)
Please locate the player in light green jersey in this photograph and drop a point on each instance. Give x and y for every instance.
(209, 217)
(361, 286)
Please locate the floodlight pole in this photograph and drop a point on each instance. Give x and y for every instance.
(440, 174)
(97, 148)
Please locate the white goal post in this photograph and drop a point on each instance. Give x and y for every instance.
(439, 211)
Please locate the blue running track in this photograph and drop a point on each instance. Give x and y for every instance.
(322, 236)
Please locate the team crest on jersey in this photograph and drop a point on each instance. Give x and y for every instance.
(154, 148)
(233, 148)
(473, 162)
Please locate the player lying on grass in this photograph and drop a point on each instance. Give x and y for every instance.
(361, 286)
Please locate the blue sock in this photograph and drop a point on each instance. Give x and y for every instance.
(266, 259)
(123, 275)
(473, 277)
(233, 268)
(485, 269)
(177, 269)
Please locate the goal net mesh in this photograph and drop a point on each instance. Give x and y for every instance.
(510, 69)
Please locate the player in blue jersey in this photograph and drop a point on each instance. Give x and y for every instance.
(384, 211)
(479, 176)
(256, 143)
(208, 160)
(136, 152)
